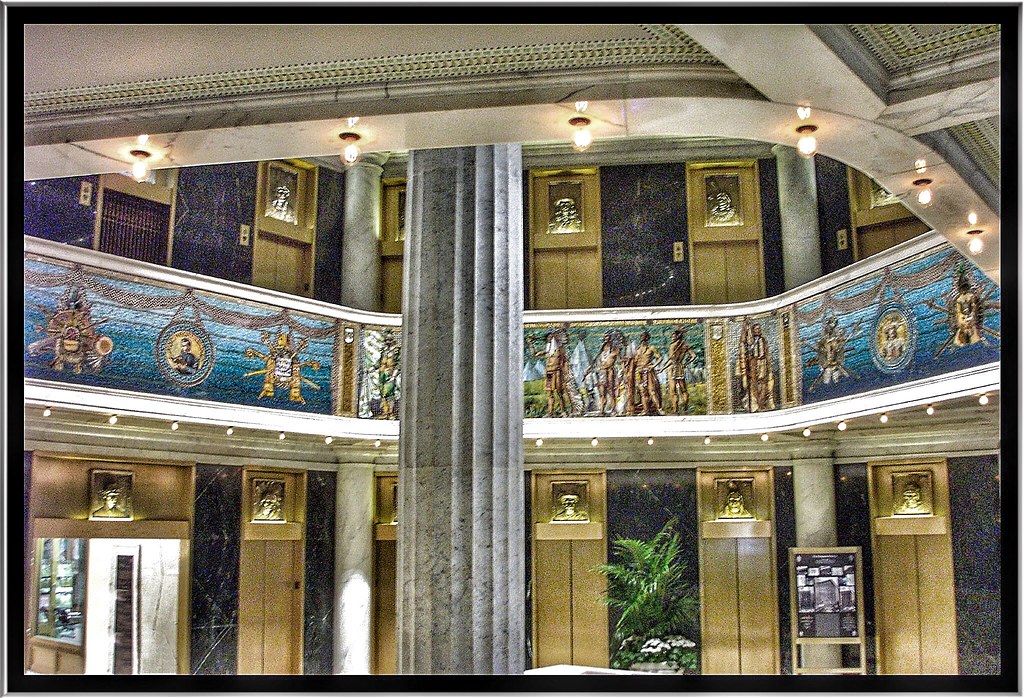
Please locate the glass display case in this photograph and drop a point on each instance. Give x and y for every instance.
(61, 589)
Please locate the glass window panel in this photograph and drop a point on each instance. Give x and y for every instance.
(61, 591)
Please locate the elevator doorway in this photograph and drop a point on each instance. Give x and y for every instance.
(570, 622)
(385, 575)
(739, 592)
(270, 596)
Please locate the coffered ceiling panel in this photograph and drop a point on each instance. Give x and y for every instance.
(906, 47)
(981, 141)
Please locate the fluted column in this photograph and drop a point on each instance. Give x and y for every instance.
(353, 541)
(461, 602)
(798, 206)
(360, 243)
(814, 500)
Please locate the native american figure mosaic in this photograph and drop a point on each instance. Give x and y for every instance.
(964, 309)
(380, 379)
(754, 349)
(184, 353)
(829, 352)
(71, 335)
(614, 369)
(282, 365)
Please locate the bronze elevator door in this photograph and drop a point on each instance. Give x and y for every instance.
(915, 604)
(270, 607)
(570, 620)
(738, 589)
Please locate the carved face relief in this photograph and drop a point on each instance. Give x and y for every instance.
(268, 500)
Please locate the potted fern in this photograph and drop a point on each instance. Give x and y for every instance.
(658, 610)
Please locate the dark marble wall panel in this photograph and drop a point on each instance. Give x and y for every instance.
(528, 576)
(318, 610)
(641, 502)
(330, 214)
(974, 495)
(52, 211)
(216, 544)
(643, 211)
(785, 538)
(833, 212)
(212, 202)
(771, 226)
(853, 528)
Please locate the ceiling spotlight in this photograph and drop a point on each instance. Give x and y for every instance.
(229, 431)
(931, 410)
(983, 399)
(113, 419)
(883, 418)
(924, 197)
(764, 437)
(920, 166)
(47, 412)
(174, 426)
(807, 431)
(707, 440)
(328, 440)
(593, 441)
(581, 137)
(352, 121)
(140, 166)
(281, 435)
(650, 442)
(376, 443)
(351, 154)
(540, 442)
(975, 245)
(804, 113)
(581, 106)
(841, 426)
(807, 146)
(972, 218)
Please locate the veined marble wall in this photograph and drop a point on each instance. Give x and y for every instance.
(216, 546)
(53, 211)
(318, 600)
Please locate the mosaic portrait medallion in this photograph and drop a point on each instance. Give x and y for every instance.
(894, 338)
(184, 353)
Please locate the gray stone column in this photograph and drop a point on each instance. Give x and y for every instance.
(814, 504)
(360, 242)
(461, 600)
(353, 560)
(798, 208)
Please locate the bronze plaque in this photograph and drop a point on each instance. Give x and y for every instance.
(722, 200)
(912, 494)
(569, 502)
(111, 495)
(734, 498)
(565, 207)
(267, 501)
(282, 193)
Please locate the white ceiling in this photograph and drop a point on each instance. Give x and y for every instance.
(223, 93)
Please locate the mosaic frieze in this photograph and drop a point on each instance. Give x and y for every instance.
(930, 315)
(614, 369)
(380, 375)
(110, 332)
(753, 345)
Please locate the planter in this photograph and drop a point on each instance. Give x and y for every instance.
(654, 668)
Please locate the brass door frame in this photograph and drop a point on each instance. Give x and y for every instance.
(303, 231)
(760, 527)
(385, 533)
(542, 488)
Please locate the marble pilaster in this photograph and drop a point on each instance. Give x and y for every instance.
(798, 205)
(814, 504)
(461, 600)
(360, 247)
(353, 561)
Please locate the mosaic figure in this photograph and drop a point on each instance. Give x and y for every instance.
(607, 367)
(645, 376)
(964, 310)
(680, 356)
(559, 384)
(830, 352)
(387, 375)
(282, 367)
(72, 335)
(754, 369)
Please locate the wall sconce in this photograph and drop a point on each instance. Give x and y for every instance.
(924, 197)
(807, 146)
(581, 137)
(351, 154)
(975, 245)
(141, 168)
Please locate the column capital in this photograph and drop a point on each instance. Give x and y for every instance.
(375, 159)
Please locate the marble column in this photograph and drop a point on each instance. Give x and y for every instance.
(360, 243)
(353, 559)
(814, 504)
(461, 600)
(798, 207)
